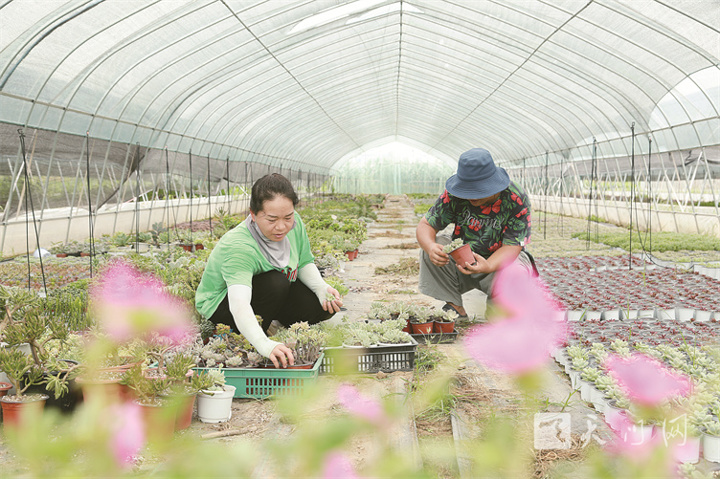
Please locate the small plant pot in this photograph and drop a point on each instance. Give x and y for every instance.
(463, 255)
(711, 447)
(159, 421)
(217, 407)
(443, 326)
(14, 411)
(422, 328)
(62, 255)
(4, 388)
(184, 411)
(689, 452)
(300, 366)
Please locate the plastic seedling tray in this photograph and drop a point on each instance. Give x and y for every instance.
(263, 383)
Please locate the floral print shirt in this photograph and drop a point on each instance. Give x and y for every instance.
(485, 228)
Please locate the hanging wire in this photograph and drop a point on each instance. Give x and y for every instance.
(632, 188)
(593, 172)
(90, 216)
(547, 159)
(167, 197)
(227, 179)
(650, 196)
(28, 207)
(137, 198)
(192, 243)
(562, 209)
(209, 196)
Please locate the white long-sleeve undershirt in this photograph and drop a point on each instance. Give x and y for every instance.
(239, 297)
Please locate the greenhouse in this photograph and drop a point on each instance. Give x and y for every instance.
(160, 161)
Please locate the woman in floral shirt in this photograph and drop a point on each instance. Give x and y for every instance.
(489, 212)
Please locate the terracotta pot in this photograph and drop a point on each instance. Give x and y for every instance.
(159, 421)
(422, 328)
(463, 255)
(106, 390)
(13, 412)
(301, 366)
(443, 327)
(184, 411)
(62, 255)
(4, 388)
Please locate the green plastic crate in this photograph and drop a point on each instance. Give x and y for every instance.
(259, 383)
(373, 359)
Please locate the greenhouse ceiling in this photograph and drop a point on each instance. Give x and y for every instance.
(310, 82)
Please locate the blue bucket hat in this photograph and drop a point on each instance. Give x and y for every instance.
(477, 176)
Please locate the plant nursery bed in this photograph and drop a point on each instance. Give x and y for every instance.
(371, 360)
(262, 383)
(435, 338)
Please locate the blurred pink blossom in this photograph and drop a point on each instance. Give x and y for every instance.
(645, 380)
(129, 303)
(360, 405)
(631, 440)
(127, 432)
(534, 327)
(338, 466)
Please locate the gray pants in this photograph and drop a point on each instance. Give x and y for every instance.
(448, 284)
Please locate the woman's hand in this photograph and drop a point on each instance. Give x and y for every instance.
(332, 306)
(281, 354)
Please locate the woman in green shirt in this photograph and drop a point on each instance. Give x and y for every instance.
(264, 266)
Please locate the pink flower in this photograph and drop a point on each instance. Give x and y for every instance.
(632, 440)
(645, 380)
(337, 466)
(522, 341)
(127, 436)
(129, 303)
(359, 405)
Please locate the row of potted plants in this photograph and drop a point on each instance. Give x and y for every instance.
(416, 319)
(647, 330)
(590, 263)
(697, 414)
(672, 294)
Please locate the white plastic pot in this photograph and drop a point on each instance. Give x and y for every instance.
(215, 406)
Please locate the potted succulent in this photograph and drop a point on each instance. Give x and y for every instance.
(166, 395)
(421, 323)
(25, 319)
(189, 240)
(711, 440)
(306, 343)
(460, 252)
(22, 372)
(395, 337)
(357, 335)
(214, 401)
(444, 322)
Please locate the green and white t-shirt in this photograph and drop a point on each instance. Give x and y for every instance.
(485, 228)
(237, 258)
